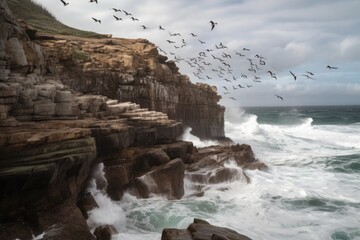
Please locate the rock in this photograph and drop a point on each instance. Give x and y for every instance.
(146, 137)
(105, 232)
(63, 96)
(86, 203)
(11, 231)
(147, 158)
(202, 230)
(179, 149)
(64, 109)
(16, 51)
(46, 91)
(117, 178)
(44, 108)
(166, 180)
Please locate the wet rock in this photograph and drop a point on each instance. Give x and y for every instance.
(166, 180)
(11, 231)
(105, 232)
(117, 178)
(145, 159)
(86, 203)
(202, 230)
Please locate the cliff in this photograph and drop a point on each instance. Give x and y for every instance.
(55, 127)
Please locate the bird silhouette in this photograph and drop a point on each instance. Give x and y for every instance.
(246, 49)
(192, 34)
(240, 86)
(116, 10)
(127, 13)
(65, 3)
(213, 25)
(134, 19)
(201, 42)
(232, 98)
(279, 97)
(96, 20)
(308, 77)
(94, 1)
(329, 67)
(310, 73)
(161, 28)
(143, 26)
(293, 75)
(117, 18)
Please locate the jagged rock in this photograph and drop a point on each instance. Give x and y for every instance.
(117, 178)
(44, 108)
(179, 149)
(16, 51)
(11, 231)
(202, 230)
(166, 180)
(86, 203)
(147, 158)
(105, 232)
(63, 96)
(146, 137)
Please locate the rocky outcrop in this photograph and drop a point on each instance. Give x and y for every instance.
(132, 70)
(202, 230)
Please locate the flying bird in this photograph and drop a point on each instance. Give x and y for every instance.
(308, 77)
(134, 19)
(65, 3)
(279, 97)
(310, 73)
(212, 24)
(194, 35)
(225, 88)
(161, 28)
(127, 13)
(293, 75)
(143, 26)
(329, 67)
(117, 18)
(246, 49)
(96, 20)
(201, 42)
(232, 98)
(94, 1)
(116, 10)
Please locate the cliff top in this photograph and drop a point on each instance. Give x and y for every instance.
(41, 19)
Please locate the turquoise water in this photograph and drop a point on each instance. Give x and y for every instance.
(311, 191)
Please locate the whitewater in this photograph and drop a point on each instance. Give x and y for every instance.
(311, 190)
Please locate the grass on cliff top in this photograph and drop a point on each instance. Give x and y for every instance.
(41, 19)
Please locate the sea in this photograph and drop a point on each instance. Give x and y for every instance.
(310, 191)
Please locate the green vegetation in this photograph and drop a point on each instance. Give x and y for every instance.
(41, 19)
(79, 54)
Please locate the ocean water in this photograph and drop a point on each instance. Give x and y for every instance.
(311, 190)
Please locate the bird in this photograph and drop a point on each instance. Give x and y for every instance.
(134, 19)
(161, 28)
(225, 88)
(232, 98)
(249, 86)
(117, 18)
(240, 86)
(96, 20)
(246, 49)
(329, 67)
(116, 10)
(192, 34)
(127, 13)
(243, 76)
(65, 3)
(308, 77)
(293, 75)
(143, 26)
(279, 97)
(212, 24)
(310, 73)
(201, 42)
(241, 55)
(94, 1)
(262, 62)
(169, 41)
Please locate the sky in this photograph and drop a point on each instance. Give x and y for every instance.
(296, 36)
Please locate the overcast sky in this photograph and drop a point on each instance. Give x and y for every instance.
(296, 35)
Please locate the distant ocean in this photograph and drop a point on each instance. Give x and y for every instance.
(311, 191)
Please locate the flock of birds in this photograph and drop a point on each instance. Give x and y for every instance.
(215, 59)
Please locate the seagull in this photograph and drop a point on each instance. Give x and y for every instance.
(246, 49)
(161, 28)
(241, 55)
(201, 42)
(96, 20)
(225, 88)
(240, 86)
(116, 10)
(134, 19)
(127, 14)
(249, 86)
(293, 75)
(213, 25)
(94, 1)
(169, 41)
(65, 3)
(232, 98)
(117, 18)
(329, 67)
(262, 62)
(194, 35)
(310, 73)
(143, 26)
(308, 76)
(279, 97)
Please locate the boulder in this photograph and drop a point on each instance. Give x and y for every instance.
(166, 180)
(147, 158)
(86, 203)
(117, 178)
(202, 230)
(105, 232)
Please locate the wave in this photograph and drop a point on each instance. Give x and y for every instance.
(187, 136)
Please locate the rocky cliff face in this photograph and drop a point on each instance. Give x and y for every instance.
(132, 70)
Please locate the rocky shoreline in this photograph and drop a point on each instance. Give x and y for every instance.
(68, 104)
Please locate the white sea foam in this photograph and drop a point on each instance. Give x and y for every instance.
(187, 136)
